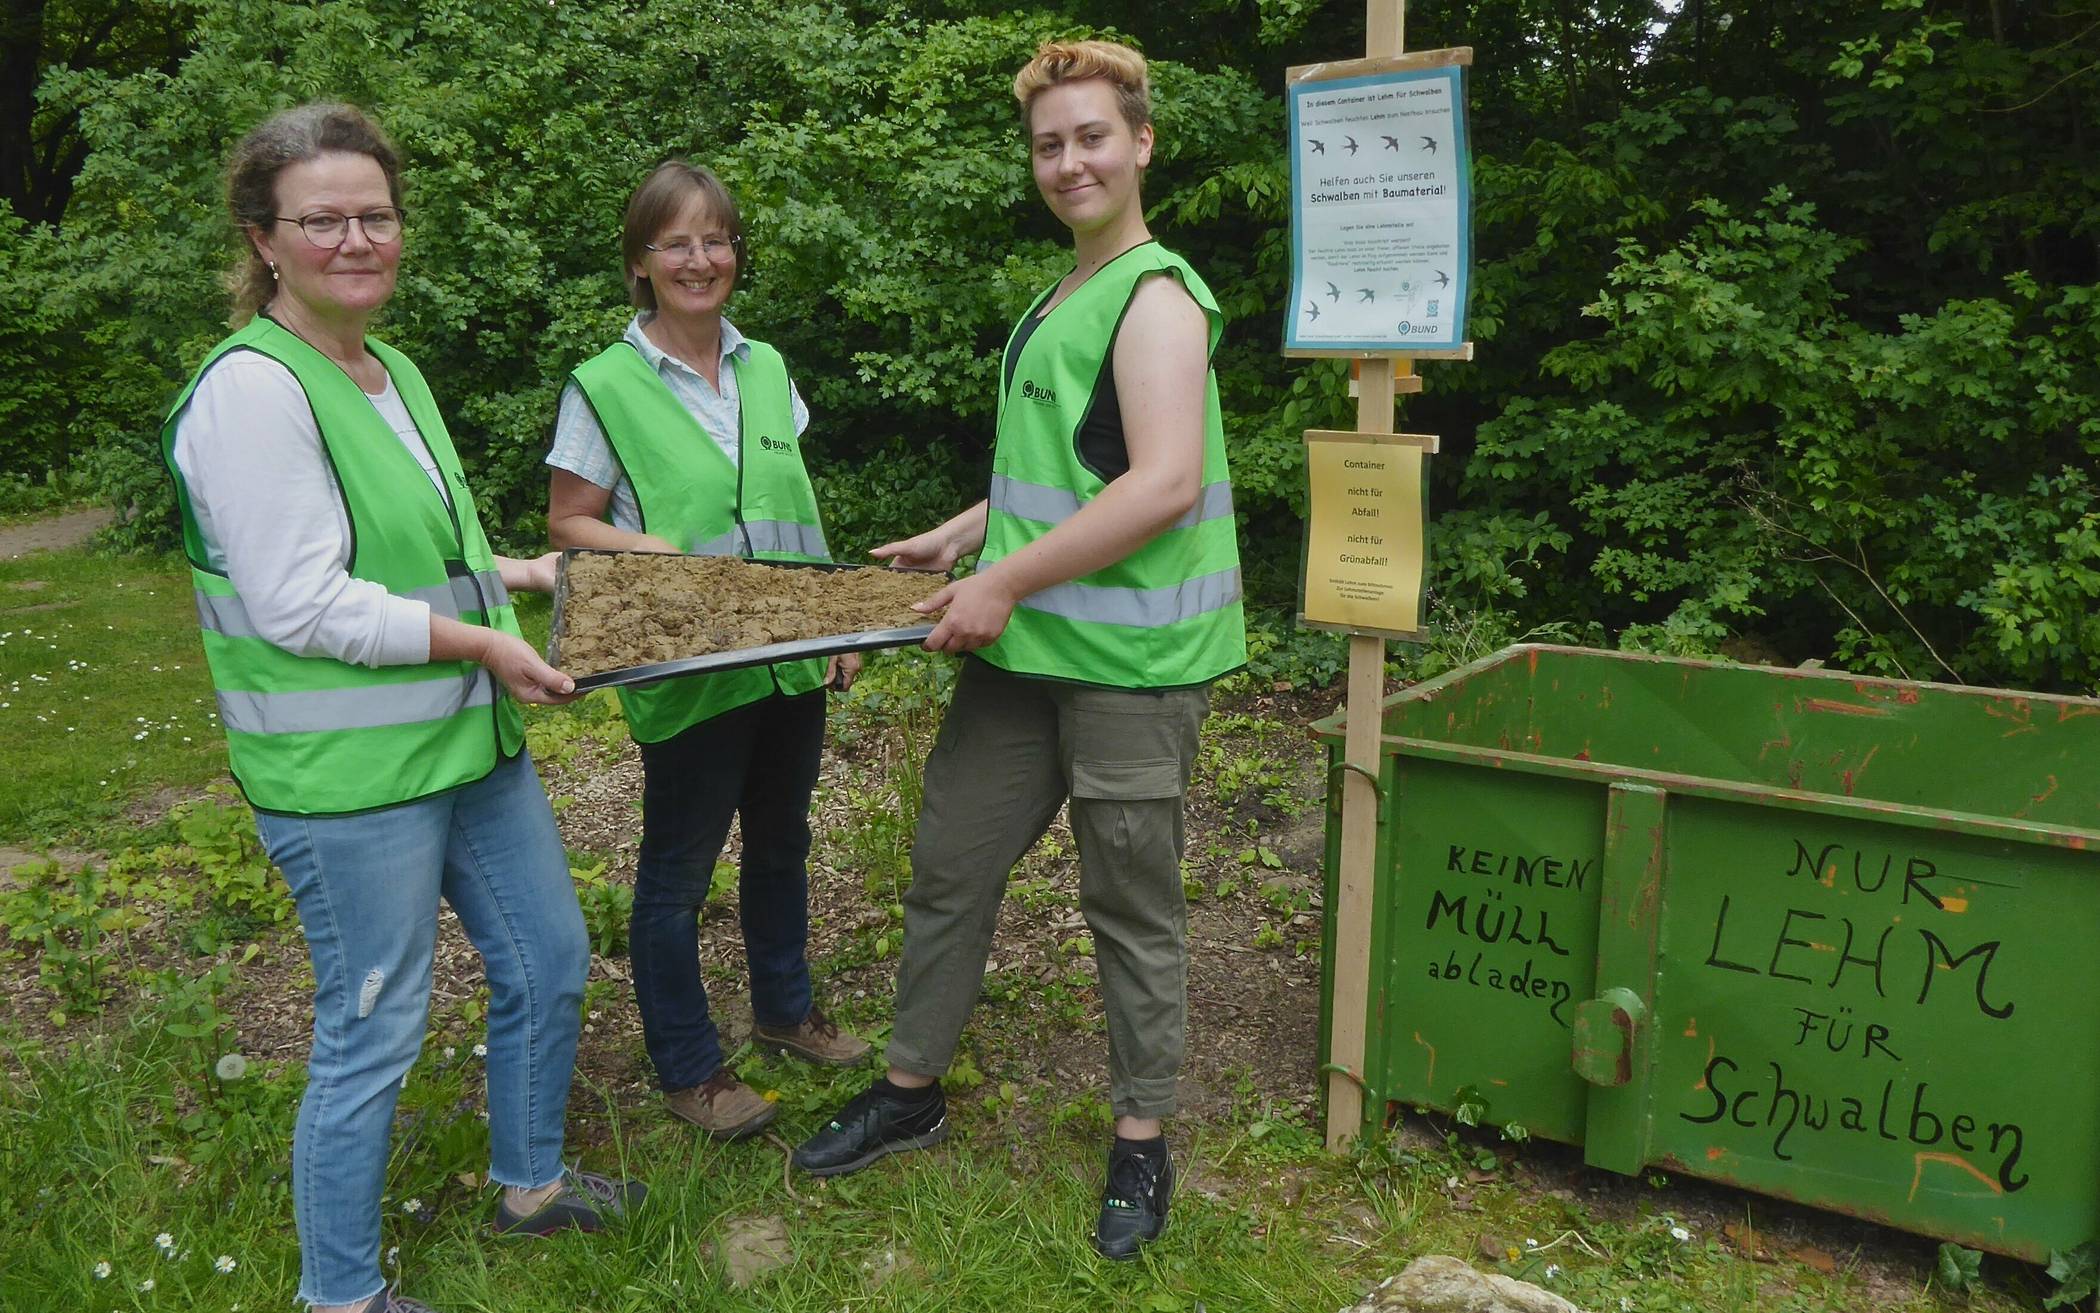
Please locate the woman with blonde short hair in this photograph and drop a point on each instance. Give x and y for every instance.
(1106, 599)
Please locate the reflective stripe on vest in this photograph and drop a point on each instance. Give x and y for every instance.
(784, 537)
(228, 615)
(1139, 608)
(1047, 504)
(319, 710)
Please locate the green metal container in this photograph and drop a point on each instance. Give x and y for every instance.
(1827, 938)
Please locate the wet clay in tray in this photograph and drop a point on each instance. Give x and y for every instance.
(627, 609)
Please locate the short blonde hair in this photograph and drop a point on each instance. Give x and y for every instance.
(1057, 62)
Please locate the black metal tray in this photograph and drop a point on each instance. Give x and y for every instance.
(867, 640)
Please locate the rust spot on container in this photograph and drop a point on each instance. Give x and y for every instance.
(1841, 708)
(2071, 711)
(1428, 1077)
(2048, 793)
(1716, 1154)
(1583, 755)
(1691, 1027)
(1907, 696)
(1952, 1160)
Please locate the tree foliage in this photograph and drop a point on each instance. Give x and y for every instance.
(1785, 311)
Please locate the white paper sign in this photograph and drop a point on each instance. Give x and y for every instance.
(1381, 212)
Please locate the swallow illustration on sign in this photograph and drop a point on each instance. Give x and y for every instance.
(1429, 144)
(1319, 147)
(1312, 311)
(1443, 279)
(1367, 294)
(1333, 293)
(1349, 144)
(1391, 143)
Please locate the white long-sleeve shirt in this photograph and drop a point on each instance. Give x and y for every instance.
(266, 501)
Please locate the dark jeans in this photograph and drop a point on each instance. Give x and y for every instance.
(758, 761)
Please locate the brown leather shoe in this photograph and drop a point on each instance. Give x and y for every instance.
(818, 1039)
(723, 1106)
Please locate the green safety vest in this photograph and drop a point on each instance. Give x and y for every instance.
(315, 736)
(761, 508)
(1169, 614)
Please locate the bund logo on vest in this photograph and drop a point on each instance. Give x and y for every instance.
(1037, 393)
(775, 444)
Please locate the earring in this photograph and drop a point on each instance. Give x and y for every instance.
(273, 269)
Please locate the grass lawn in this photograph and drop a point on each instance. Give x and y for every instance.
(130, 978)
(104, 697)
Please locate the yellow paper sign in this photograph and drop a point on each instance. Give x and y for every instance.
(1364, 554)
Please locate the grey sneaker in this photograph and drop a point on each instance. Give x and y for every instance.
(585, 1201)
(391, 1301)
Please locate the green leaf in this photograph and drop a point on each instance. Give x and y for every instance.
(1959, 1268)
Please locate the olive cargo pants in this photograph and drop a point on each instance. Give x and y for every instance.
(1010, 752)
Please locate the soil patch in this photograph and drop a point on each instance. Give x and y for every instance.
(626, 609)
(53, 534)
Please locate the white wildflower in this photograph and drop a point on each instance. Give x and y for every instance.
(481, 1050)
(449, 1052)
(1679, 1234)
(412, 1206)
(1529, 1243)
(1552, 1271)
(165, 1243)
(224, 1263)
(145, 1285)
(102, 1269)
(393, 1255)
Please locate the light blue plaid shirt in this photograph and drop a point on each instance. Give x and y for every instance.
(580, 445)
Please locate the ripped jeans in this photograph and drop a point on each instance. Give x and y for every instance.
(367, 887)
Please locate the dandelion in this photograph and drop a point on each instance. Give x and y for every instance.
(102, 1269)
(1679, 1234)
(231, 1067)
(772, 1096)
(224, 1263)
(412, 1206)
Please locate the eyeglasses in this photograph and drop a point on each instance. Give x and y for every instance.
(682, 251)
(327, 229)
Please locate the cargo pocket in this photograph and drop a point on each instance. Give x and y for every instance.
(1127, 781)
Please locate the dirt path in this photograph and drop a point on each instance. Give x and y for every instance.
(53, 534)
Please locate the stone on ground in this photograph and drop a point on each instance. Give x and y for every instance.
(750, 1247)
(1438, 1284)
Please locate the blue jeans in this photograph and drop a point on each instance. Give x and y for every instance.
(367, 887)
(759, 762)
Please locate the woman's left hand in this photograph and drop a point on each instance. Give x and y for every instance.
(841, 671)
(978, 608)
(533, 575)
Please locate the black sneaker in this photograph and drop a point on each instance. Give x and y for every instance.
(875, 1123)
(1134, 1206)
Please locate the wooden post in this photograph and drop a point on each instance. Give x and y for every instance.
(1385, 23)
